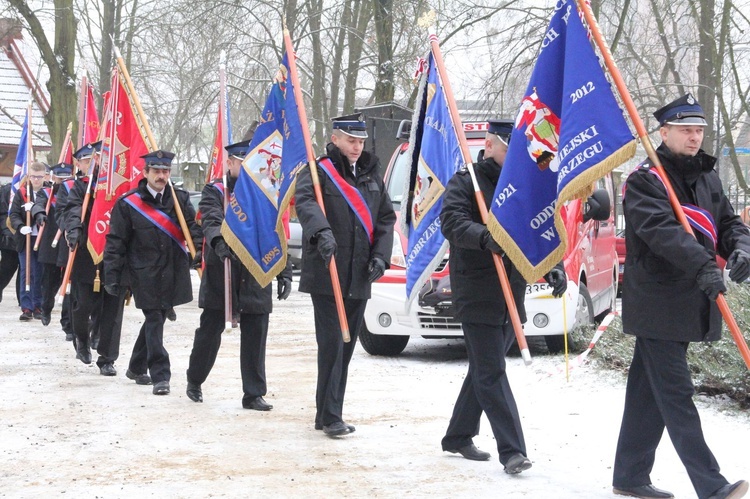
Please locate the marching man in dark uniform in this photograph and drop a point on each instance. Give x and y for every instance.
(670, 287)
(253, 303)
(48, 255)
(348, 177)
(480, 306)
(91, 309)
(145, 239)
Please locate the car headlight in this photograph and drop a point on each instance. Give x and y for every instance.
(397, 252)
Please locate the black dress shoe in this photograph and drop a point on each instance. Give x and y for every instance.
(256, 404)
(517, 463)
(45, 319)
(471, 452)
(731, 491)
(26, 315)
(336, 429)
(140, 379)
(645, 491)
(37, 314)
(83, 353)
(161, 388)
(194, 392)
(107, 370)
(352, 429)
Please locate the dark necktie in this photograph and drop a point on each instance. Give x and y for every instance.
(158, 198)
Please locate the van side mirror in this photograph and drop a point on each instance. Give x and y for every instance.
(404, 130)
(597, 206)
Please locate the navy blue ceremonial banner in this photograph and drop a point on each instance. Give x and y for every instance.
(253, 223)
(569, 131)
(435, 157)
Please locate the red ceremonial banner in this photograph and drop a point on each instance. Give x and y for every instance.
(121, 165)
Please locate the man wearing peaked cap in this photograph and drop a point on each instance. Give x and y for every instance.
(91, 312)
(670, 287)
(48, 255)
(239, 149)
(353, 191)
(146, 243)
(482, 310)
(353, 125)
(253, 303)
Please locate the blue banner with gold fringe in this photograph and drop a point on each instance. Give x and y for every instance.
(253, 225)
(569, 132)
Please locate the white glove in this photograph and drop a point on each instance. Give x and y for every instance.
(25, 230)
(28, 206)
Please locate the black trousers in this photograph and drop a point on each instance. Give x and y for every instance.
(110, 327)
(86, 310)
(659, 394)
(66, 319)
(486, 389)
(333, 354)
(149, 351)
(51, 280)
(253, 335)
(8, 266)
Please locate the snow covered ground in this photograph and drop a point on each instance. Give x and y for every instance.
(64, 429)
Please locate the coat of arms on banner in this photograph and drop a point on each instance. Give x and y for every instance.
(264, 165)
(541, 127)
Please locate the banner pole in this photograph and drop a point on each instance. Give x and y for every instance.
(510, 302)
(622, 89)
(228, 315)
(335, 284)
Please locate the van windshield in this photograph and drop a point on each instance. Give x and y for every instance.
(397, 175)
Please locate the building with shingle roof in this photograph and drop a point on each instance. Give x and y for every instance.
(17, 85)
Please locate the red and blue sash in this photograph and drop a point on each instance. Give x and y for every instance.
(699, 218)
(50, 194)
(352, 196)
(160, 219)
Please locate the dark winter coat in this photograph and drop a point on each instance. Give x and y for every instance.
(247, 295)
(159, 269)
(47, 254)
(661, 297)
(84, 269)
(353, 251)
(477, 295)
(17, 216)
(7, 239)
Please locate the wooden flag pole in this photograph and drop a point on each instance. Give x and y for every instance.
(510, 302)
(29, 197)
(223, 159)
(336, 285)
(622, 89)
(152, 144)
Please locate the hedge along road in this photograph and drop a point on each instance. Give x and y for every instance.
(68, 430)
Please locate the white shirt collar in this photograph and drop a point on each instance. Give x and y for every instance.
(153, 192)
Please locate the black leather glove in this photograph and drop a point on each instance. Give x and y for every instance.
(222, 250)
(40, 218)
(739, 265)
(197, 260)
(489, 243)
(326, 245)
(283, 287)
(112, 289)
(711, 281)
(558, 280)
(375, 269)
(72, 236)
